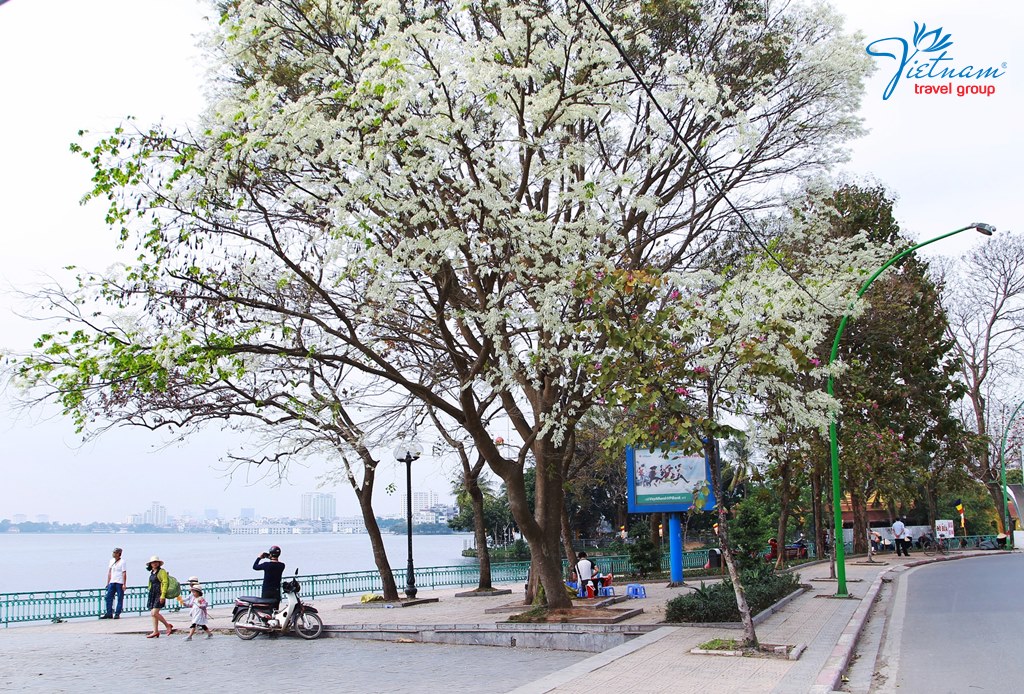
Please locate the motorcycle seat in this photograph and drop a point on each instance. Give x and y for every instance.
(255, 600)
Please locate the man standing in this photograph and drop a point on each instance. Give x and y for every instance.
(899, 533)
(117, 579)
(272, 572)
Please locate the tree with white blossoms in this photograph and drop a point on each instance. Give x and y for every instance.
(739, 342)
(984, 302)
(417, 189)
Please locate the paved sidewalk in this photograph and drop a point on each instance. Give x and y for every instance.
(657, 661)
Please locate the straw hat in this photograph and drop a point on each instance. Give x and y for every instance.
(153, 559)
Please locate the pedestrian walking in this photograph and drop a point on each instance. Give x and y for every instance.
(192, 580)
(117, 579)
(158, 582)
(899, 533)
(199, 612)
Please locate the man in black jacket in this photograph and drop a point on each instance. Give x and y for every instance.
(273, 569)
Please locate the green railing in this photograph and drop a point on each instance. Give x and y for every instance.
(59, 605)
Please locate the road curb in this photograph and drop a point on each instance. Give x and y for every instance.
(830, 676)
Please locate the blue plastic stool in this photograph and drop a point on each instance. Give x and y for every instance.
(606, 591)
(635, 590)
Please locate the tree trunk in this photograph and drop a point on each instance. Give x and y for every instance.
(786, 495)
(995, 490)
(570, 555)
(542, 529)
(380, 557)
(816, 510)
(858, 506)
(364, 495)
(483, 553)
(931, 496)
(749, 635)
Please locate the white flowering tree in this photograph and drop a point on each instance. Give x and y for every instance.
(984, 302)
(739, 342)
(416, 191)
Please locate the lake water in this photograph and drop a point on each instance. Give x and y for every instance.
(37, 561)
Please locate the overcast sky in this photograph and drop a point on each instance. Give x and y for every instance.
(67, 65)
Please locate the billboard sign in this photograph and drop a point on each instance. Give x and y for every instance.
(944, 529)
(665, 482)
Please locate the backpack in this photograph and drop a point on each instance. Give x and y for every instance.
(173, 587)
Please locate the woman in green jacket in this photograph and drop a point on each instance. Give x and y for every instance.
(157, 596)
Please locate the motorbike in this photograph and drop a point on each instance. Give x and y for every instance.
(253, 616)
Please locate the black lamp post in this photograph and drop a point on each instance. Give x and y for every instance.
(406, 453)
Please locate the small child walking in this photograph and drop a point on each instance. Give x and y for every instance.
(199, 611)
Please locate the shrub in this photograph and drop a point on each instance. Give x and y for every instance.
(644, 555)
(717, 602)
(714, 603)
(520, 550)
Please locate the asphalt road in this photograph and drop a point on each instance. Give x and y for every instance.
(958, 627)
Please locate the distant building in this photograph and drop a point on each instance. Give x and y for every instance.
(421, 501)
(248, 514)
(424, 517)
(349, 525)
(211, 514)
(444, 512)
(19, 518)
(317, 506)
(269, 529)
(156, 515)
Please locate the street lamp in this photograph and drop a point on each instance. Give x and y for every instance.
(1002, 474)
(406, 453)
(840, 549)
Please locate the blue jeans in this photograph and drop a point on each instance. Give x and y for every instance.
(112, 590)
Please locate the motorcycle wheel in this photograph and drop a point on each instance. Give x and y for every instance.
(309, 625)
(244, 624)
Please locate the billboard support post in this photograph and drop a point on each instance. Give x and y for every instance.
(675, 547)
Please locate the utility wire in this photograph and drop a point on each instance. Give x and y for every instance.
(677, 136)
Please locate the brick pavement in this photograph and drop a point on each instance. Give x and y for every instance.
(658, 661)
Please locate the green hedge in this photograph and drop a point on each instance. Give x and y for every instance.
(717, 602)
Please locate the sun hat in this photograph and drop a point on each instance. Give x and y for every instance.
(197, 586)
(155, 558)
(193, 579)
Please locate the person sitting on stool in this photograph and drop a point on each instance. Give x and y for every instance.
(587, 571)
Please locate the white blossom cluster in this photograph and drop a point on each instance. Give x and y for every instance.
(426, 191)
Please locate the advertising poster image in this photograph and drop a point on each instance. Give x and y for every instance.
(660, 481)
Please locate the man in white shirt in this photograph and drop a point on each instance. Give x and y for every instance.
(117, 579)
(586, 571)
(899, 533)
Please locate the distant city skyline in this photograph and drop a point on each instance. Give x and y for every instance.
(306, 506)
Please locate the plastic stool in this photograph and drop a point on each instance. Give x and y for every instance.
(606, 591)
(635, 590)
(583, 590)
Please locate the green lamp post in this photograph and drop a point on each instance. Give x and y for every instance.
(840, 550)
(1002, 475)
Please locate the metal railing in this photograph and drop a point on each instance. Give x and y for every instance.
(58, 605)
